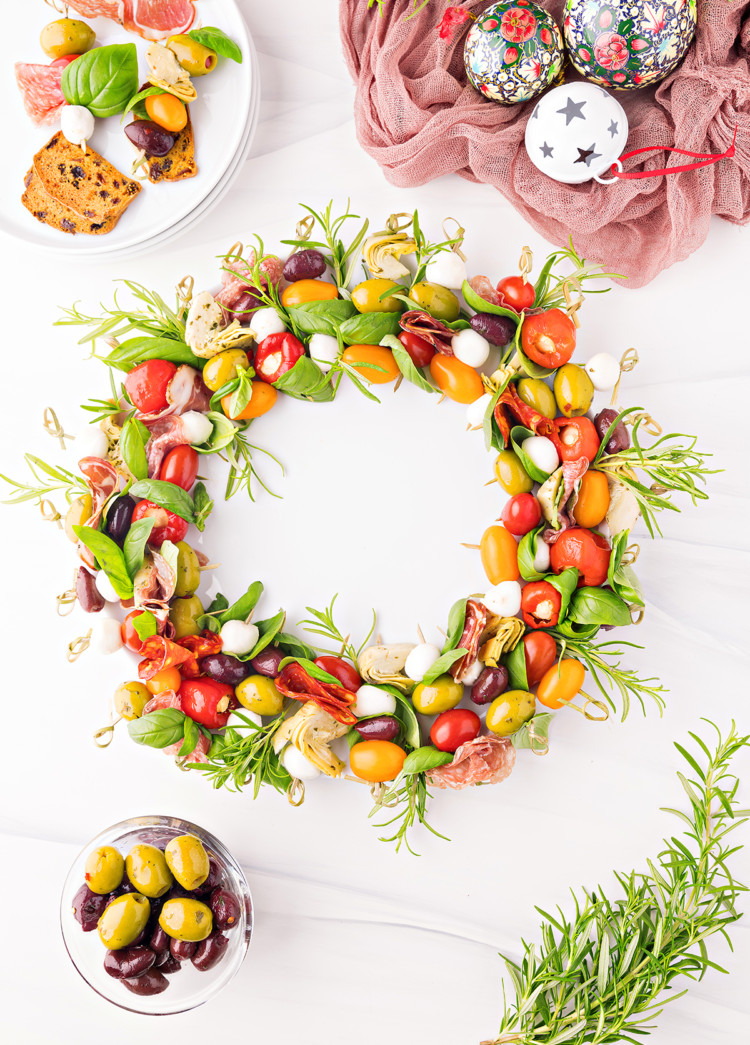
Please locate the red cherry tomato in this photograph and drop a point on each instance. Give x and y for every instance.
(540, 653)
(549, 339)
(276, 354)
(516, 293)
(578, 438)
(129, 634)
(147, 383)
(60, 63)
(180, 467)
(341, 670)
(167, 525)
(453, 728)
(521, 514)
(541, 603)
(206, 701)
(421, 351)
(588, 551)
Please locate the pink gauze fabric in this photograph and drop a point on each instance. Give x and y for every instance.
(419, 118)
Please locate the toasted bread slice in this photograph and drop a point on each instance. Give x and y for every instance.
(83, 181)
(52, 213)
(179, 162)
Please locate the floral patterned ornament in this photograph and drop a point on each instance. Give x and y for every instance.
(513, 52)
(628, 43)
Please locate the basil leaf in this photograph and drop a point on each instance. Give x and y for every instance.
(192, 735)
(321, 317)
(110, 558)
(533, 733)
(306, 381)
(565, 583)
(492, 434)
(268, 630)
(158, 728)
(208, 619)
(294, 646)
(166, 495)
(531, 368)
(312, 670)
(527, 554)
(598, 606)
(133, 450)
(442, 664)
(223, 433)
(104, 79)
(171, 555)
(479, 304)
(626, 584)
(225, 390)
(515, 662)
(406, 365)
(203, 506)
(138, 349)
(406, 715)
(216, 40)
(147, 92)
(353, 737)
(425, 758)
(244, 606)
(242, 394)
(134, 545)
(144, 625)
(456, 621)
(369, 328)
(568, 629)
(517, 435)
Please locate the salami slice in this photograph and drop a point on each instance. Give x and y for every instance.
(40, 89)
(474, 623)
(485, 760)
(155, 19)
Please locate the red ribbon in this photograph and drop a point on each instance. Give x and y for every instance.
(704, 160)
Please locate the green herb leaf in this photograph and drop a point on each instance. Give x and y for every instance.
(217, 40)
(109, 556)
(103, 80)
(295, 647)
(598, 606)
(267, 631)
(515, 662)
(209, 618)
(202, 504)
(492, 434)
(147, 92)
(224, 432)
(192, 735)
(243, 607)
(479, 304)
(166, 495)
(369, 328)
(321, 317)
(144, 625)
(456, 621)
(135, 350)
(133, 449)
(570, 630)
(312, 670)
(306, 381)
(406, 715)
(159, 728)
(425, 758)
(242, 394)
(134, 545)
(534, 733)
(517, 435)
(527, 554)
(565, 583)
(442, 664)
(405, 364)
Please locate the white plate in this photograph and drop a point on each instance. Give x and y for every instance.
(224, 117)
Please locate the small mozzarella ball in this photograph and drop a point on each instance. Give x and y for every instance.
(470, 675)
(420, 660)
(297, 764)
(373, 701)
(324, 350)
(541, 556)
(77, 124)
(104, 587)
(238, 637)
(264, 322)
(106, 636)
(196, 427)
(504, 599)
(91, 442)
(236, 722)
(604, 371)
(542, 452)
(475, 411)
(447, 269)
(470, 347)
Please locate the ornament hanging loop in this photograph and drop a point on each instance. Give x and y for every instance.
(457, 238)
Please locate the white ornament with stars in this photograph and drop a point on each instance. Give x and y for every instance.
(576, 132)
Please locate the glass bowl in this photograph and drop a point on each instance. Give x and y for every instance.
(188, 987)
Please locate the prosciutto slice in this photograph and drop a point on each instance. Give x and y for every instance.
(185, 391)
(484, 760)
(102, 480)
(151, 19)
(572, 472)
(237, 296)
(166, 433)
(40, 90)
(154, 586)
(474, 623)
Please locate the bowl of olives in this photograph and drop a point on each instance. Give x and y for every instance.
(156, 915)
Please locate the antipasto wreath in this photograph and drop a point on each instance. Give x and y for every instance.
(246, 702)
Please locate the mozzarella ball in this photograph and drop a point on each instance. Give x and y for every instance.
(420, 660)
(541, 555)
(266, 321)
(373, 701)
(91, 442)
(475, 411)
(604, 371)
(238, 637)
(470, 347)
(472, 673)
(106, 636)
(104, 587)
(324, 350)
(297, 764)
(236, 722)
(504, 599)
(196, 427)
(542, 452)
(447, 269)
(77, 124)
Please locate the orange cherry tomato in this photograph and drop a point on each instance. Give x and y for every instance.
(168, 111)
(305, 290)
(539, 653)
(561, 683)
(499, 553)
(549, 338)
(167, 678)
(263, 398)
(376, 760)
(457, 380)
(376, 356)
(593, 499)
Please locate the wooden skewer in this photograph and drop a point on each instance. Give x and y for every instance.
(491, 481)
(474, 547)
(422, 639)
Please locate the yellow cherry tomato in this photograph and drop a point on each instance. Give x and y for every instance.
(305, 290)
(511, 474)
(376, 760)
(508, 712)
(457, 380)
(499, 553)
(167, 678)
(263, 398)
(593, 499)
(375, 356)
(561, 683)
(168, 111)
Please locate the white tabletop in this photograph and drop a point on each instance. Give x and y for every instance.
(354, 942)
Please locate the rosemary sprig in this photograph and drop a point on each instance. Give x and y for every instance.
(239, 456)
(264, 290)
(342, 260)
(156, 318)
(321, 622)
(62, 479)
(551, 287)
(600, 975)
(244, 753)
(611, 679)
(408, 795)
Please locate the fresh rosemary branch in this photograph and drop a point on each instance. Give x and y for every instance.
(244, 753)
(611, 679)
(266, 292)
(62, 479)
(408, 795)
(426, 251)
(551, 286)
(321, 622)
(599, 976)
(342, 260)
(239, 456)
(157, 318)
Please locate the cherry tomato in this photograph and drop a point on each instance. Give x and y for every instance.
(549, 339)
(541, 603)
(455, 379)
(206, 701)
(376, 760)
(499, 553)
(263, 398)
(66, 59)
(516, 293)
(276, 354)
(129, 634)
(375, 355)
(147, 383)
(167, 525)
(166, 679)
(341, 670)
(578, 438)
(521, 514)
(420, 351)
(304, 290)
(540, 653)
(454, 728)
(168, 111)
(593, 499)
(561, 683)
(589, 552)
(180, 466)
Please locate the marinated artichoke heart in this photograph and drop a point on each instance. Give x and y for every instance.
(311, 730)
(382, 251)
(166, 72)
(500, 636)
(549, 495)
(623, 511)
(384, 665)
(205, 332)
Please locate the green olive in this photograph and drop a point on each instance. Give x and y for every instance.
(508, 712)
(184, 615)
(147, 869)
(366, 296)
(573, 390)
(188, 570)
(511, 474)
(66, 36)
(79, 512)
(186, 919)
(438, 301)
(130, 700)
(196, 59)
(123, 920)
(259, 694)
(187, 860)
(431, 698)
(224, 367)
(538, 395)
(104, 869)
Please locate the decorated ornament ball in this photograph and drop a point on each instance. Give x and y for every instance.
(513, 52)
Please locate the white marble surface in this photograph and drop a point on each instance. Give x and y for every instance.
(354, 941)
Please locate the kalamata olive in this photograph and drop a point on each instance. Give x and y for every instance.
(182, 950)
(213, 881)
(150, 982)
(382, 727)
(498, 330)
(225, 909)
(170, 965)
(119, 518)
(267, 662)
(210, 951)
(159, 941)
(149, 136)
(224, 668)
(88, 908)
(305, 264)
(89, 598)
(619, 440)
(177, 892)
(128, 961)
(244, 308)
(490, 684)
